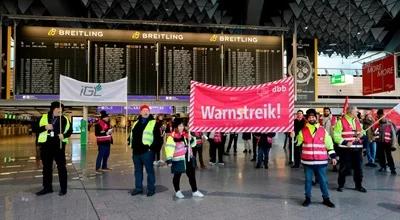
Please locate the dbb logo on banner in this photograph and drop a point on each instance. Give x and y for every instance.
(261, 108)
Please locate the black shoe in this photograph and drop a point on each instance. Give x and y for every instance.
(373, 165)
(295, 166)
(361, 189)
(382, 169)
(62, 193)
(328, 203)
(245, 151)
(307, 202)
(339, 189)
(136, 192)
(226, 154)
(150, 194)
(266, 167)
(252, 160)
(393, 172)
(44, 192)
(258, 166)
(249, 151)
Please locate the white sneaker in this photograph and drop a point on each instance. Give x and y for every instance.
(221, 164)
(155, 163)
(179, 195)
(198, 194)
(211, 163)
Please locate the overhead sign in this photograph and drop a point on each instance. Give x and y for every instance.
(262, 108)
(112, 92)
(379, 75)
(341, 79)
(81, 34)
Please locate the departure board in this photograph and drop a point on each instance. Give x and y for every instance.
(39, 65)
(109, 62)
(182, 63)
(251, 66)
(141, 68)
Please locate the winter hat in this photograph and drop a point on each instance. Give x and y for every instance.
(144, 106)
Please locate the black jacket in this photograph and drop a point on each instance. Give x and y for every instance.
(263, 142)
(56, 126)
(137, 133)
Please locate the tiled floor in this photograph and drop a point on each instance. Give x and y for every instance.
(235, 191)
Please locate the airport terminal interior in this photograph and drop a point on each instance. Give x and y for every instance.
(79, 79)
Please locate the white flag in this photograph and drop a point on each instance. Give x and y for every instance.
(74, 90)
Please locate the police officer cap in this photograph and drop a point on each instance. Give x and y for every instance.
(311, 112)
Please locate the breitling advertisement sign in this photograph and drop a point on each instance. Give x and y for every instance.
(80, 34)
(306, 75)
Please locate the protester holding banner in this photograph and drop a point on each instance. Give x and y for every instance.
(264, 147)
(316, 145)
(144, 136)
(347, 134)
(215, 140)
(54, 129)
(386, 140)
(299, 123)
(104, 140)
(179, 155)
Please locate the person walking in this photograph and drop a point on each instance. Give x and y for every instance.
(54, 131)
(246, 136)
(233, 138)
(198, 150)
(179, 156)
(144, 136)
(264, 147)
(316, 146)
(215, 140)
(299, 123)
(370, 143)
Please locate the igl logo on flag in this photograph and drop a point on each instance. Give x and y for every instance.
(91, 90)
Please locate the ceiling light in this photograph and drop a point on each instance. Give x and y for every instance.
(332, 44)
(358, 33)
(328, 50)
(306, 27)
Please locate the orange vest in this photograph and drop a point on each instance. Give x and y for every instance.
(388, 134)
(314, 151)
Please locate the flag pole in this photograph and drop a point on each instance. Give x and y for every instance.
(377, 121)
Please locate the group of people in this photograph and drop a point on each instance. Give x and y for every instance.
(321, 138)
(318, 139)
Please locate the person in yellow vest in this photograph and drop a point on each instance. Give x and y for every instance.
(54, 129)
(347, 134)
(179, 155)
(316, 146)
(144, 137)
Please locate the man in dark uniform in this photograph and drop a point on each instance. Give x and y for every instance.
(54, 130)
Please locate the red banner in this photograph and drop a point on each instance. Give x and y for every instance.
(262, 108)
(379, 76)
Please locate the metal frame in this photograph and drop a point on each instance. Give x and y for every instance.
(141, 22)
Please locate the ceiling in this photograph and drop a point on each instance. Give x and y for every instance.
(342, 26)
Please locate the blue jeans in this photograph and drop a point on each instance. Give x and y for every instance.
(146, 160)
(263, 153)
(102, 156)
(371, 151)
(320, 172)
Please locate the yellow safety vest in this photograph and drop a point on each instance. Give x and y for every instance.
(147, 137)
(43, 135)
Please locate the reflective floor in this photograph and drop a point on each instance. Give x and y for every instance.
(233, 191)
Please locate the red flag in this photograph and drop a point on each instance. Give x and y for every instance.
(345, 105)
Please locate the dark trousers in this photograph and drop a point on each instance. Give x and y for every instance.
(263, 155)
(254, 140)
(157, 155)
(287, 139)
(350, 158)
(190, 172)
(213, 151)
(233, 138)
(296, 153)
(50, 152)
(146, 160)
(102, 156)
(385, 153)
(199, 150)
